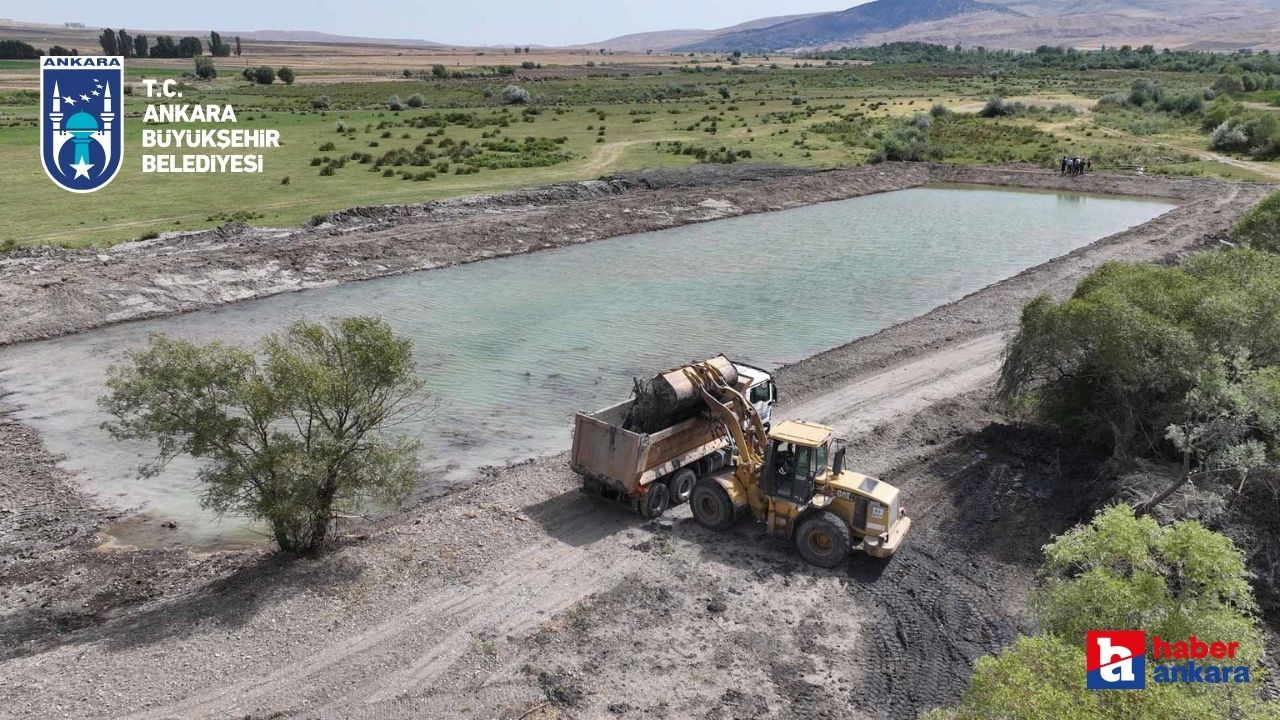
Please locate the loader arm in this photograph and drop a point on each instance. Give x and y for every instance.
(735, 411)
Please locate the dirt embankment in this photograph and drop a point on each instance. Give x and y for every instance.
(519, 598)
(46, 292)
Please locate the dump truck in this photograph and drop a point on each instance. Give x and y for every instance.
(790, 477)
(652, 463)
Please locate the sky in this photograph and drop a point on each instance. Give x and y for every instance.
(465, 22)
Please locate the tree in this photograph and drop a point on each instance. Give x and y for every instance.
(190, 46)
(205, 69)
(515, 95)
(57, 50)
(1042, 678)
(1123, 571)
(18, 50)
(285, 74)
(164, 47)
(108, 40)
(140, 46)
(264, 75)
(290, 435)
(237, 46)
(217, 48)
(1132, 354)
(439, 71)
(1260, 227)
(124, 43)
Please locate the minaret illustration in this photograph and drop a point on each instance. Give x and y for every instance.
(81, 129)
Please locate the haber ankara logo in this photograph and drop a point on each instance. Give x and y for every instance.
(1116, 659)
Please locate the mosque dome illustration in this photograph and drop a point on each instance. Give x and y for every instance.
(81, 129)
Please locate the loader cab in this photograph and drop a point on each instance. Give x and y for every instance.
(799, 454)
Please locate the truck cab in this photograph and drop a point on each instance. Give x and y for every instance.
(759, 389)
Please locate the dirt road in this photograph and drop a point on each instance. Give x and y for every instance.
(520, 598)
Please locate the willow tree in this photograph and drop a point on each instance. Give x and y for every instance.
(291, 434)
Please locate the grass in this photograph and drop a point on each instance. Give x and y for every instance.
(585, 126)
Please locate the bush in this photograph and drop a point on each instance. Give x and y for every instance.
(1229, 138)
(415, 101)
(938, 110)
(394, 103)
(1260, 227)
(515, 95)
(1120, 571)
(1225, 84)
(320, 102)
(205, 69)
(1177, 362)
(439, 71)
(286, 75)
(291, 433)
(528, 65)
(264, 75)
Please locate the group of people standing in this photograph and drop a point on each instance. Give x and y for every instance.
(1075, 165)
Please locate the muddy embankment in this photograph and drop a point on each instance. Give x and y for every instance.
(519, 598)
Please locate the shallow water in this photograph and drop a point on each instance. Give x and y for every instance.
(511, 347)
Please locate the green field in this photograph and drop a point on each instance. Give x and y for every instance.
(575, 127)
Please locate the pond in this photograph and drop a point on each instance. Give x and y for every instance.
(511, 347)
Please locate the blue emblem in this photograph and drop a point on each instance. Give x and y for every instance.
(80, 120)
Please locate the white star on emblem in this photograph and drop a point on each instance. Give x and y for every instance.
(84, 98)
(94, 93)
(82, 169)
(97, 86)
(69, 101)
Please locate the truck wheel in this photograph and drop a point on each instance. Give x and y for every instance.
(655, 501)
(823, 540)
(681, 485)
(712, 507)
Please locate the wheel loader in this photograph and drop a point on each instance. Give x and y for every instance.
(790, 477)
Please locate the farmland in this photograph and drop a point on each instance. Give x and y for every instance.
(343, 145)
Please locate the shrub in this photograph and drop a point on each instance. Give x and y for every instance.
(415, 101)
(938, 110)
(394, 103)
(1177, 362)
(528, 65)
(264, 75)
(1228, 137)
(1260, 227)
(205, 69)
(439, 71)
(286, 75)
(291, 433)
(1225, 84)
(320, 102)
(515, 95)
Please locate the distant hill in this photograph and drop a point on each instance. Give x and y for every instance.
(839, 27)
(1207, 24)
(664, 40)
(308, 36)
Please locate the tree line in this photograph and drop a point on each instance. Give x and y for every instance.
(119, 42)
(18, 50)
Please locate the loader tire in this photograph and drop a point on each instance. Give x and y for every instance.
(655, 501)
(681, 486)
(711, 505)
(824, 540)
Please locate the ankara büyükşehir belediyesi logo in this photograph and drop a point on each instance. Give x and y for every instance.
(80, 128)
